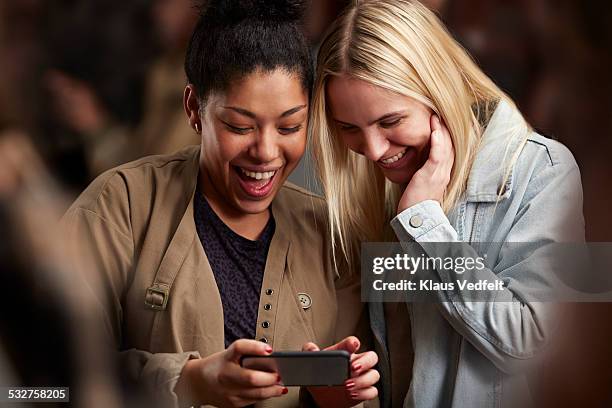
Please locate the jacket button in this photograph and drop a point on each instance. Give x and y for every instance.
(265, 324)
(267, 306)
(416, 221)
(269, 292)
(305, 300)
(263, 340)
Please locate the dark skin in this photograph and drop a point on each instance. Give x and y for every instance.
(259, 125)
(248, 127)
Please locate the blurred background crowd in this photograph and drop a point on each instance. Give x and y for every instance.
(86, 85)
(96, 83)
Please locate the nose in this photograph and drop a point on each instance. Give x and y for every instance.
(374, 144)
(265, 146)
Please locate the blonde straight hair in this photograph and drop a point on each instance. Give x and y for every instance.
(399, 45)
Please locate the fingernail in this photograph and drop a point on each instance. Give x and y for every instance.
(268, 349)
(285, 390)
(354, 395)
(357, 367)
(350, 385)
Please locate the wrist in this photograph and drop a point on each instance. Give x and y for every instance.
(403, 205)
(185, 389)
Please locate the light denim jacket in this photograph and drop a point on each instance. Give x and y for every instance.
(474, 354)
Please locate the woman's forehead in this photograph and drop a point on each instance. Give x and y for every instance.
(270, 93)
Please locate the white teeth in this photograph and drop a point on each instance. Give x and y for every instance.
(394, 158)
(259, 175)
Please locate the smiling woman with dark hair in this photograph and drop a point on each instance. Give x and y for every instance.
(207, 255)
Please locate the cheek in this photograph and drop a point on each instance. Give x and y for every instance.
(294, 149)
(223, 146)
(413, 136)
(352, 141)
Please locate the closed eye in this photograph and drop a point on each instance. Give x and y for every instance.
(391, 123)
(345, 127)
(236, 129)
(287, 131)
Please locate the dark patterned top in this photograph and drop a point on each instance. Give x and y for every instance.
(238, 266)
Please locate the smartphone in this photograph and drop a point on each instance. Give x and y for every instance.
(304, 368)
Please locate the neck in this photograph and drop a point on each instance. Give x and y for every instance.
(249, 226)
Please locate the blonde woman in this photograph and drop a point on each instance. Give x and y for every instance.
(408, 133)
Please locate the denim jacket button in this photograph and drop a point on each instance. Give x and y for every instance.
(416, 221)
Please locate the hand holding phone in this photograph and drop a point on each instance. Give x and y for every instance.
(359, 387)
(219, 379)
(304, 368)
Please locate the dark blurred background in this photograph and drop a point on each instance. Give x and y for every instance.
(90, 84)
(96, 83)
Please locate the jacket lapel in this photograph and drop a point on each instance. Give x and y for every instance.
(185, 255)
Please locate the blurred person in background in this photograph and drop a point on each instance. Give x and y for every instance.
(48, 331)
(164, 128)
(19, 55)
(147, 118)
(97, 54)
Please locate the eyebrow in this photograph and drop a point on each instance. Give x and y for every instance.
(251, 115)
(382, 118)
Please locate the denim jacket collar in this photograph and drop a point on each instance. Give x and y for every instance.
(491, 164)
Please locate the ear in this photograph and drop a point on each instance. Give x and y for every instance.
(191, 105)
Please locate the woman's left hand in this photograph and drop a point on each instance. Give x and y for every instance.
(431, 180)
(358, 388)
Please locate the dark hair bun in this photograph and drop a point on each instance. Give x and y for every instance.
(235, 11)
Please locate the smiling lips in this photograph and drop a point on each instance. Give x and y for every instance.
(394, 158)
(256, 184)
(398, 160)
(258, 175)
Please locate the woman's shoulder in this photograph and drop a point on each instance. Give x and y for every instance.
(304, 209)
(547, 169)
(548, 152)
(543, 161)
(140, 182)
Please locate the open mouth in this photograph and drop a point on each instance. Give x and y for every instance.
(397, 160)
(256, 184)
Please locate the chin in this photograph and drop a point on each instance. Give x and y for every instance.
(254, 206)
(398, 177)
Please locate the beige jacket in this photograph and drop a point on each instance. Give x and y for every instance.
(161, 302)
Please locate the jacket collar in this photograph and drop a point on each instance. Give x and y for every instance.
(500, 140)
(186, 234)
(278, 206)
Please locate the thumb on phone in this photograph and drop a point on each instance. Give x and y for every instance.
(243, 347)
